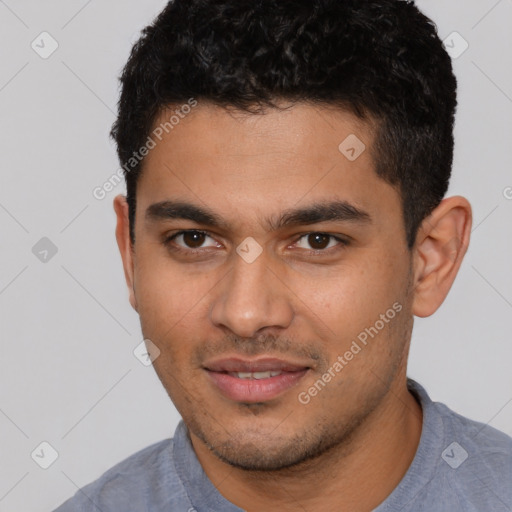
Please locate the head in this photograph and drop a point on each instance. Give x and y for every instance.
(309, 144)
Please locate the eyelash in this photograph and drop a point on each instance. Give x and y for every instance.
(179, 249)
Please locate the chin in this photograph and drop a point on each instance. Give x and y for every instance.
(264, 451)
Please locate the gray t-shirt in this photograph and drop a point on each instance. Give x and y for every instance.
(460, 466)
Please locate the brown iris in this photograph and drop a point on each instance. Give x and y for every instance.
(318, 240)
(193, 239)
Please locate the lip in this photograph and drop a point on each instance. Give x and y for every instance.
(254, 390)
(236, 364)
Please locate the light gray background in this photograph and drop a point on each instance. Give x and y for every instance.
(68, 374)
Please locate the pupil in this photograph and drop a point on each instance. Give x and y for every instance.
(193, 239)
(318, 239)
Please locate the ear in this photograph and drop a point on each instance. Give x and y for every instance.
(125, 245)
(440, 246)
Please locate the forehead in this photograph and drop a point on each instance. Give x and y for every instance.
(303, 129)
(256, 164)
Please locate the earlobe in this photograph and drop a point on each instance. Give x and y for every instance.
(441, 244)
(125, 246)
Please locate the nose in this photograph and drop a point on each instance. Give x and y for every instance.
(250, 298)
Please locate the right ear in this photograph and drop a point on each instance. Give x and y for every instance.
(125, 245)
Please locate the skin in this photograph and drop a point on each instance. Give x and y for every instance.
(349, 447)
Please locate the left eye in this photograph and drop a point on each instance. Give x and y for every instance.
(320, 241)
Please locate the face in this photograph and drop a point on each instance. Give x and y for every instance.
(272, 273)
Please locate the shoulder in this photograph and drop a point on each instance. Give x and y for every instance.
(144, 480)
(460, 465)
(476, 461)
(480, 438)
(447, 426)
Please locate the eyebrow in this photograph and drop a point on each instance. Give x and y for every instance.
(325, 211)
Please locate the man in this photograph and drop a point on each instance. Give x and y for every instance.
(286, 164)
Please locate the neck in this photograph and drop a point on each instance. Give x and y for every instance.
(359, 474)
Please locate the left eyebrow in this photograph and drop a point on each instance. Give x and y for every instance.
(326, 211)
(338, 211)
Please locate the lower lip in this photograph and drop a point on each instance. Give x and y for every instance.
(255, 390)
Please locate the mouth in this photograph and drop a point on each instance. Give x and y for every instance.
(255, 375)
(251, 381)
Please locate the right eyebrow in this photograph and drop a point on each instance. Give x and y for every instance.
(166, 210)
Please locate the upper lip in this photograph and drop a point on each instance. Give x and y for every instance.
(234, 364)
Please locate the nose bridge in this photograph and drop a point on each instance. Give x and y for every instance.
(251, 297)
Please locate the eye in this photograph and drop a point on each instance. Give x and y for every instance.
(320, 242)
(190, 240)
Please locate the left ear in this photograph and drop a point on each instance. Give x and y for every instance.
(440, 246)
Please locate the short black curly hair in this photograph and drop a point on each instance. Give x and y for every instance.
(379, 59)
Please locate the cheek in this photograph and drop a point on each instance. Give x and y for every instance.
(352, 298)
(167, 296)
(170, 310)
